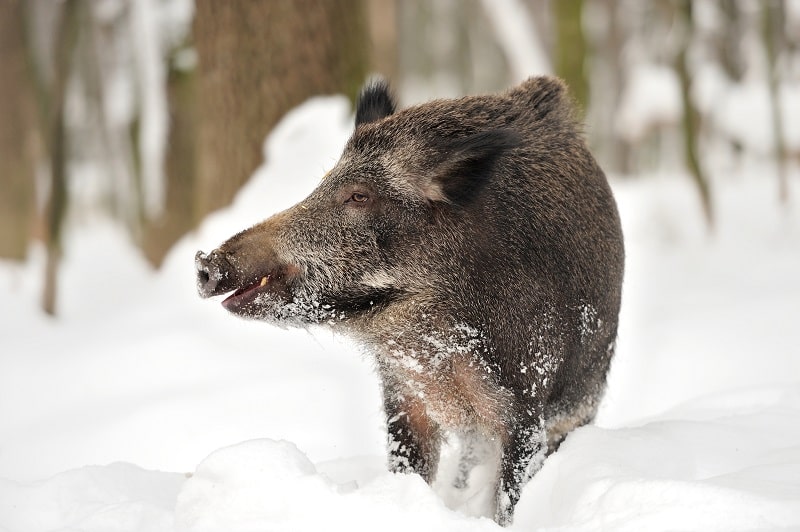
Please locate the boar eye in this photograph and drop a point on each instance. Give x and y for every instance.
(358, 197)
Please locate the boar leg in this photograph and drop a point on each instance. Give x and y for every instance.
(523, 454)
(475, 450)
(414, 439)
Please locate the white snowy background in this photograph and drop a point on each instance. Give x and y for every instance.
(138, 382)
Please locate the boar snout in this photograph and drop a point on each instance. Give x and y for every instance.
(213, 274)
(247, 277)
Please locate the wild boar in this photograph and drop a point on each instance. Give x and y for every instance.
(473, 247)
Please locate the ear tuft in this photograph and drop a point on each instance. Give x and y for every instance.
(375, 102)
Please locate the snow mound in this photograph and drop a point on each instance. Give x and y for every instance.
(272, 485)
(259, 481)
(114, 498)
(714, 469)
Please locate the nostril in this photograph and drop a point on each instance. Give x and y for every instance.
(208, 274)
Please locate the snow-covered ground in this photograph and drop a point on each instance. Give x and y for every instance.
(105, 410)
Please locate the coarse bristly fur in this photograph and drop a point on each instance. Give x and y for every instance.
(474, 248)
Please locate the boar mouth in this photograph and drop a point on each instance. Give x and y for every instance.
(246, 294)
(251, 290)
(245, 298)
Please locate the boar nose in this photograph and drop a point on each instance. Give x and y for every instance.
(212, 270)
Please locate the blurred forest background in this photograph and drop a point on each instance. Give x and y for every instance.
(155, 111)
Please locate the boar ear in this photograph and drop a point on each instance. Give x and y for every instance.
(469, 162)
(374, 102)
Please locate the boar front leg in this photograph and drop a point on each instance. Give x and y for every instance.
(523, 453)
(414, 439)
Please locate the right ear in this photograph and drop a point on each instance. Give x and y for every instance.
(375, 102)
(469, 163)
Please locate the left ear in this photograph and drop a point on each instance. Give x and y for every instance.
(468, 163)
(374, 102)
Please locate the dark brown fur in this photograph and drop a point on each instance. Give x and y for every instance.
(473, 247)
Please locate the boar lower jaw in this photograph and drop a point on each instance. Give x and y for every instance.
(245, 300)
(243, 296)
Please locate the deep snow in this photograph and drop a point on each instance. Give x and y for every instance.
(282, 429)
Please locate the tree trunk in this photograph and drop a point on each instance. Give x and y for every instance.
(608, 72)
(774, 16)
(729, 44)
(382, 23)
(691, 117)
(67, 35)
(570, 49)
(179, 215)
(17, 134)
(257, 60)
